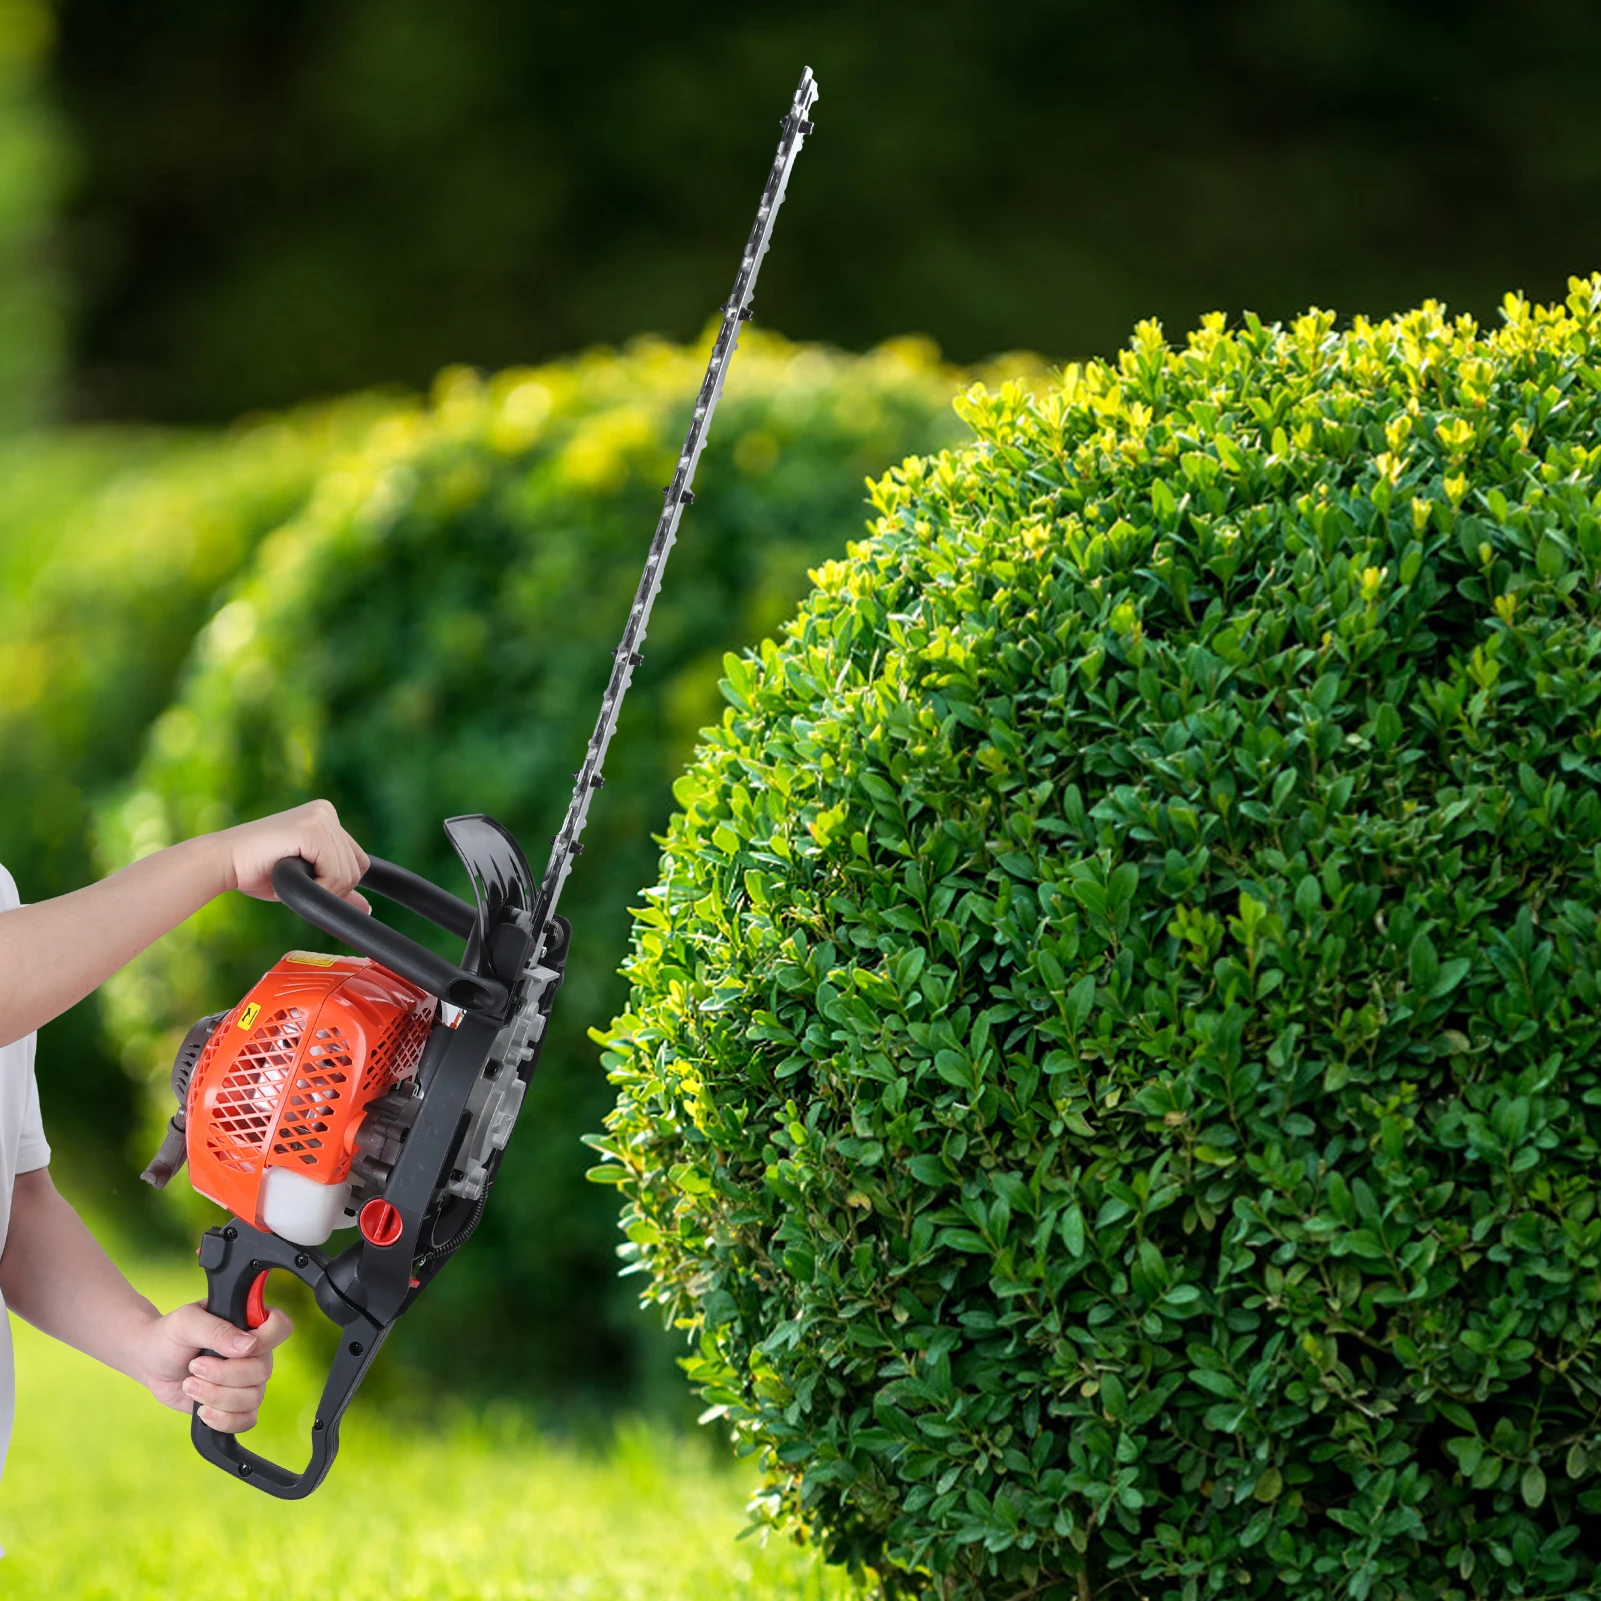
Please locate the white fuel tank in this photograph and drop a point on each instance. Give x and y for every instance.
(300, 1209)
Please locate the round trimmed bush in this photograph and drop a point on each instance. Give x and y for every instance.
(1113, 1073)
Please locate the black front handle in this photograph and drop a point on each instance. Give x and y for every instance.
(416, 894)
(236, 1257)
(294, 885)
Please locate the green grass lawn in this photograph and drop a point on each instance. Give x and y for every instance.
(104, 1499)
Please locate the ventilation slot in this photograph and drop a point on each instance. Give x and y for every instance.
(396, 1055)
(247, 1104)
(317, 1092)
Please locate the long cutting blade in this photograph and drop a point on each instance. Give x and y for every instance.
(677, 495)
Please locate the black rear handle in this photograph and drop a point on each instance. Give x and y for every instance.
(237, 1259)
(294, 885)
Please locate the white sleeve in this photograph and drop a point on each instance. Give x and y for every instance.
(33, 1150)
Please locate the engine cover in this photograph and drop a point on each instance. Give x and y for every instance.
(287, 1076)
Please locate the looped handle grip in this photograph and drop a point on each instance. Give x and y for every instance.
(294, 885)
(416, 894)
(237, 1258)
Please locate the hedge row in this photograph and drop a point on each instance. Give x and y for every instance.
(430, 635)
(113, 547)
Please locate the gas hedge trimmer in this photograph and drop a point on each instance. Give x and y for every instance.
(380, 1090)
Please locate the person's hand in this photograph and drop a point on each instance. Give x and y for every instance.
(252, 850)
(228, 1386)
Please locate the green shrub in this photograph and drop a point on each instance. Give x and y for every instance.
(1113, 1075)
(432, 635)
(113, 544)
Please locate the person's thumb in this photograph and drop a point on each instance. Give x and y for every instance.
(194, 1327)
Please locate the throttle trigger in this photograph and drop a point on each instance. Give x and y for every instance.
(255, 1305)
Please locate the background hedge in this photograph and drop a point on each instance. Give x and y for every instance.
(113, 547)
(429, 634)
(1113, 1071)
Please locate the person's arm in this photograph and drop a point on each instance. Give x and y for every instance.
(54, 1273)
(54, 953)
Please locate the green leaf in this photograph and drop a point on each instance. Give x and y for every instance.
(1122, 884)
(1080, 1002)
(1073, 1230)
(1365, 1243)
(1423, 964)
(1308, 898)
(1550, 562)
(908, 966)
(1340, 1202)
(1114, 1398)
(962, 1240)
(1090, 895)
(1533, 1485)
(1269, 1485)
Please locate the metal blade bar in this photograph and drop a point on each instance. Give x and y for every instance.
(736, 309)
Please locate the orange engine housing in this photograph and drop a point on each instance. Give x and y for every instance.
(286, 1077)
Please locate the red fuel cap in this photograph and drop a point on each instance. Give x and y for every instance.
(380, 1223)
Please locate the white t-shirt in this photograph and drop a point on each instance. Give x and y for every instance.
(22, 1149)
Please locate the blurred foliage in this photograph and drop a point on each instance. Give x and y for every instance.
(430, 635)
(282, 198)
(34, 166)
(112, 549)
